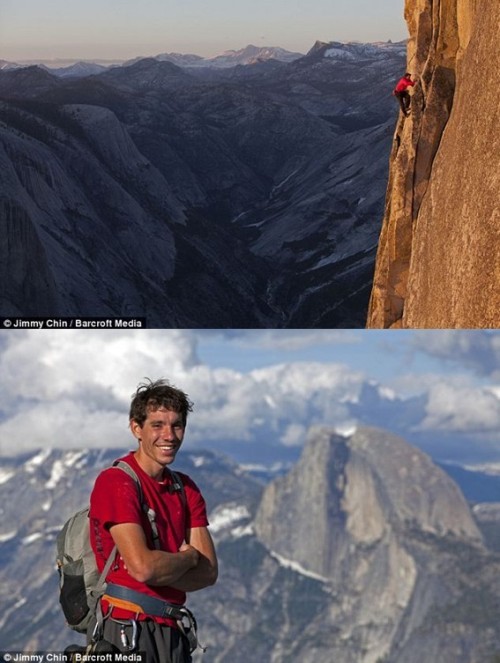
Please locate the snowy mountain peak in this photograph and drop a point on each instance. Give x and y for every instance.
(352, 51)
(251, 55)
(79, 69)
(231, 58)
(5, 65)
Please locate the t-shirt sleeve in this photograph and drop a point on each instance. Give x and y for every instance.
(115, 499)
(196, 506)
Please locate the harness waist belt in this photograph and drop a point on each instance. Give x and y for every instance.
(149, 604)
(154, 607)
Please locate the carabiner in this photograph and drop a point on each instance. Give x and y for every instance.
(128, 646)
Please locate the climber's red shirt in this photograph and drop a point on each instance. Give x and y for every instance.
(403, 83)
(115, 499)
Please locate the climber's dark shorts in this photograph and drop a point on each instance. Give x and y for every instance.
(404, 100)
(161, 644)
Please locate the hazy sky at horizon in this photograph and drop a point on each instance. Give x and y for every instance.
(51, 29)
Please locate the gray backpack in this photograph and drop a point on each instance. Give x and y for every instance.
(80, 583)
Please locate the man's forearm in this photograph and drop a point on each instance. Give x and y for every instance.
(166, 568)
(203, 575)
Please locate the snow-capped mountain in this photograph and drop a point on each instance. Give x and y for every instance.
(180, 59)
(231, 58)
(5, 65)
(72, 69)
(356, 51)
(77, 70)
(251, 55)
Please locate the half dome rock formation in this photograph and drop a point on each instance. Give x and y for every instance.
(438, 261)
(385, 530)
(367, 490)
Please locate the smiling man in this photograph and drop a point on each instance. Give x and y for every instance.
(160, 530)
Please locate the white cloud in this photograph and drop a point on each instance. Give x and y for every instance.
(66, 424)
(458, 408)
(294, 435)
(241, 406)
(47, 365)
(72, 389)
(413, 384)
(477, 350)
(290, 340)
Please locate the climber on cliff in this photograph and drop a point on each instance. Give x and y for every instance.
(401, 93)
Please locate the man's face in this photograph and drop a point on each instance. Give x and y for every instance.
(160, 438)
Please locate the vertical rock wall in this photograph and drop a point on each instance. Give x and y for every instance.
(438, 258)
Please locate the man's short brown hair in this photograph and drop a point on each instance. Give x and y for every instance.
(159, 394)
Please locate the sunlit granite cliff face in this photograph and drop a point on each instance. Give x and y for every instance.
(438, 260)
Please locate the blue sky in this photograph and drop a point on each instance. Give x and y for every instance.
(384, 356)
(31, 29)
(72, 388)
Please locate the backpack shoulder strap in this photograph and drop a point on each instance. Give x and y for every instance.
(178, 486)
(122, 465)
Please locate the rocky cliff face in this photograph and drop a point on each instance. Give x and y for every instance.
(438, 260)
(386, 530)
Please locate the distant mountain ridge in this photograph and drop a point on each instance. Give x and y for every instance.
(232, 58)
(248, 55)
(353, 50)
(245, 56)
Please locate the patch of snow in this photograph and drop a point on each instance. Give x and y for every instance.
(327, 260)
(258, 467)
(387, 393)
(295, 566)
(58, 471)
(7, 536)
(5, 475)
(32, 464)
(276, 187)
(198, 461)
(46, 505)
(346, 429)
(6, 614)
(30, 538)
(253, 467)
(224, 516)
(339, 54)
(487, 508)
(493, 469)
(242, 530)
(73, 458)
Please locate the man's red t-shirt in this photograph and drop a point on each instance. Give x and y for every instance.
(403, 83)
(115, 500)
